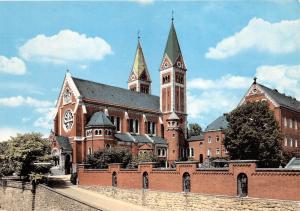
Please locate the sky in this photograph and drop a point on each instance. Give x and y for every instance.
(224, 45)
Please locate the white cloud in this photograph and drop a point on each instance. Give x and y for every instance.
(6, 133)
(144, 2)
(14, 66)
(66, 46)
(21, 101)
(207, 99)
(277, 38)
(206, 104)
(46, 120)
(225, 82)
(284, 78)
(21, 87)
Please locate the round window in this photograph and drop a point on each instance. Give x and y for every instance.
(68, 120)
(179, 64)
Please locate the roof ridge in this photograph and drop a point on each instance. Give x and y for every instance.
(138, 93)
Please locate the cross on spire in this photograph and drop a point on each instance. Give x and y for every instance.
(172, 16)
(138, 34)
(254, 80)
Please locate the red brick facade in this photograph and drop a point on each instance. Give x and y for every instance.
(261, 183)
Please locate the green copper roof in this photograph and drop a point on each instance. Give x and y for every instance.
(139, 66)
(172, 48)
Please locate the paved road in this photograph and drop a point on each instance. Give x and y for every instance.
(93, 198)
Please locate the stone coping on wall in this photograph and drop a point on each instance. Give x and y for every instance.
(242, 161)
(187, 162)
(278, 169)
(212, 169)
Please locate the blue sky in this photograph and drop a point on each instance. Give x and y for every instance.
(224, 44)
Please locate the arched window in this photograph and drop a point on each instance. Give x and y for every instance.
(291, 142)
(186, 182)
(242, 185)
(296, 143)
(114, 179)
(192, 152)
(145, 180)
(89, 151)
(285, 141)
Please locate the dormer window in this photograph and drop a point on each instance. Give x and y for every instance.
(67, 96)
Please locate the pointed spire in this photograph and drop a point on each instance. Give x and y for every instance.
(172, 49)
(140, 69)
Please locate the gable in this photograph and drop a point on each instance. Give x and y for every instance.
(255, 91)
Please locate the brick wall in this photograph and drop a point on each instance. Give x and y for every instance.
(262, 183)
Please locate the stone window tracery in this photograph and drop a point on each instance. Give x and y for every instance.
(67, 96)
(68, 120)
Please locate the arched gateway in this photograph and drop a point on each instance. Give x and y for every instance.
(242, 185)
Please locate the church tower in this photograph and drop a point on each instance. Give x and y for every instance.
(139, 78)
(173, 97)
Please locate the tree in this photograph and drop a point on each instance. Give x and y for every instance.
(145, 156)
(23, 151)
(195, 129)
(101, 158)
(253, 133)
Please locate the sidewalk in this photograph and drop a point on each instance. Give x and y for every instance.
(96, 199)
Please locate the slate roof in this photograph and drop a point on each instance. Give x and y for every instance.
(294, 163)
(99, 119)
(64, 143)
(281, 99)
(173, 116)
(126, 137)
(115, 95)
(158, 140)
(219, 124)
(196, 138)
(172, 47)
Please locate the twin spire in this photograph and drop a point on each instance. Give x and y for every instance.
(139, 78)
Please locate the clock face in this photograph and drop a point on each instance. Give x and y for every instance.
(67, 96)
(68, 120)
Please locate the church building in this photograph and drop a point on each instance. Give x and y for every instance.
(91, 116)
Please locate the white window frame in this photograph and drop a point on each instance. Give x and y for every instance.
(296, 143)
(209, 139)
(217, 151)
(99, 132)
(296, 125)
(285, 141)
(90, 151)
(290, 123)
(285, 122)
(88, 133)
(291, 142)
